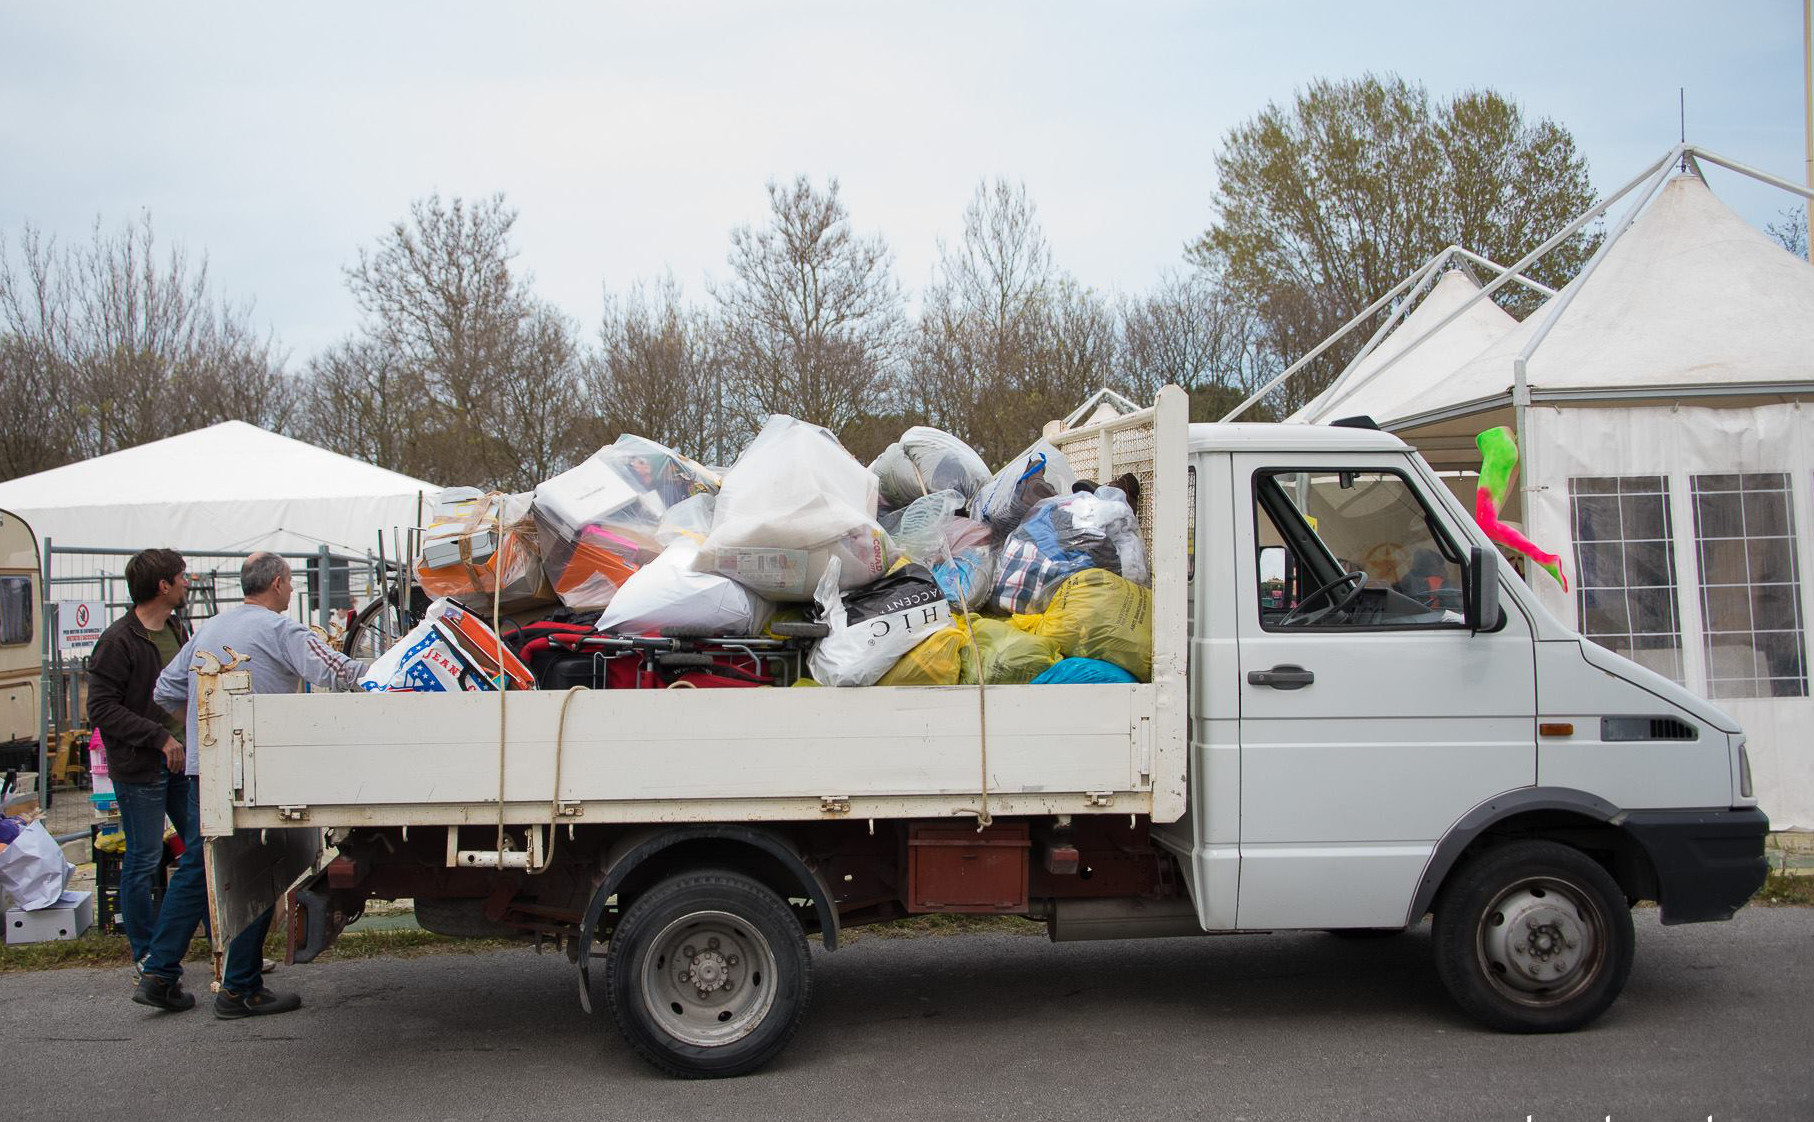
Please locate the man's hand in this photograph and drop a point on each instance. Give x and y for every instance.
(173, 754)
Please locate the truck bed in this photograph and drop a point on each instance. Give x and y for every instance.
(326, 760)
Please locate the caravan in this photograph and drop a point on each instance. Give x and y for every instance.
(21, 641)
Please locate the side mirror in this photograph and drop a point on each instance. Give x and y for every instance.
(1482, 609)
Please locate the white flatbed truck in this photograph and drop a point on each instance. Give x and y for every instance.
(1356, 718)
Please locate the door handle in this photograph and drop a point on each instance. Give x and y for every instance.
(1285, 677)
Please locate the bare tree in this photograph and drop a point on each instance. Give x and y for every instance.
(1790, 230)
(1005, 338)
(1187, 333)
(360, 399)
(482, 376)
(107, 347)
(812, 316)
(657, 372)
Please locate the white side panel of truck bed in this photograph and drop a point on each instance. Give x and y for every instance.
(671, 755)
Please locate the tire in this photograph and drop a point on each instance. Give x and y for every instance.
(1533, 937)
(708, 974)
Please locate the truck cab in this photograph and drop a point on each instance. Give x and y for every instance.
(1381, 709)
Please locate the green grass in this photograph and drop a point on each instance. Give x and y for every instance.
(96, 950)
(1786, 891)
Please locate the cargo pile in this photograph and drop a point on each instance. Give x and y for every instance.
(642, 568)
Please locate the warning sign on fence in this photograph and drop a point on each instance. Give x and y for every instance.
(79, 625)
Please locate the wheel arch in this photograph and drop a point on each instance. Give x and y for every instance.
(643, 857)
(1572, 817)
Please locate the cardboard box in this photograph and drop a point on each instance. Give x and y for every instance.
(68, 918)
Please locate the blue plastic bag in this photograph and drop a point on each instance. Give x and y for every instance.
(1082, 671)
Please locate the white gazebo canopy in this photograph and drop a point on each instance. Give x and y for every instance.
(230, 487)
(1420, 352)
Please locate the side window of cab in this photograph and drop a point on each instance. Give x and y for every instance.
(1352, 550)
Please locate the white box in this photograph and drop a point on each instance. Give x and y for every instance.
(68, 918)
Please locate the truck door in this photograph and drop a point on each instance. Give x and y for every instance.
(1371, 717)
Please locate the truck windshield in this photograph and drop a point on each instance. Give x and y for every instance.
(1352, 549)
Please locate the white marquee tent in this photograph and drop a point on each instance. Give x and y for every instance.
(230, 487)
(1667, 437)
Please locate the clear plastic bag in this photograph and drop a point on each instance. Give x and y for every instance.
(1067, 534)
(598, 522)
(474, 540)
(792, 502)
(959, 551)
(1038, 473)
(925, 460)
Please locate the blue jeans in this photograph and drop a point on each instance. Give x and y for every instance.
(186, 905)
(143, 808)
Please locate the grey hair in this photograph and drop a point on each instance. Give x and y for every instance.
(260, 572)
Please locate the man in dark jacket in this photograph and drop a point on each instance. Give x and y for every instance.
(142, 740)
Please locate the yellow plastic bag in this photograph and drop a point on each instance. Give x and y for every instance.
(1011, 656)
(939, 660)
(1097, 614)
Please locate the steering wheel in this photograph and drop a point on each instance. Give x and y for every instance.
(1296, 615)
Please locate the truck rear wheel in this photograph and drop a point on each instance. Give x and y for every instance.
(708, 974)
(1533, 937)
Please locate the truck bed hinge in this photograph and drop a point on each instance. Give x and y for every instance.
(1098, 798)
(293, 813)
(834, 804)
(571, 810)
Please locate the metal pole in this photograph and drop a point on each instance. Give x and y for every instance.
(1327, 343)
(321, 586)
(1807, 70)
(47, 614)
(1552, 312)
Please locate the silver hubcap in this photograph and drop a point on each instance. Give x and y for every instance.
(1541, 942)
(708, 979)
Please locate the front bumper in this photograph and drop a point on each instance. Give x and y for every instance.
(1708, 862)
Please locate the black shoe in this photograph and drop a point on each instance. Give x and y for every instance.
(229, 1006)
(160, 993)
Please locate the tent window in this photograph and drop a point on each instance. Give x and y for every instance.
(15, 611)
(1744, 527)
(1626, 592)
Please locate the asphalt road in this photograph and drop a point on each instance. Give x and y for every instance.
(1716, 1021)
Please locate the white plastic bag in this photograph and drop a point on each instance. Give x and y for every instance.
(872, 628)
(33, 870)
(925, 460)
(793, 501)
(667, 595)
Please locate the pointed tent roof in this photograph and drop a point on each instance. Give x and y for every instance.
(223, 462)
(1411, 359)
(1691, 296)
(229, 486)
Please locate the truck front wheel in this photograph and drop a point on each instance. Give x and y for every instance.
(708, 974)
(1533, 937)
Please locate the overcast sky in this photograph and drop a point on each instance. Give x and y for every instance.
(632, 137)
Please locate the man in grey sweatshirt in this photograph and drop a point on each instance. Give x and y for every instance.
(283, 654)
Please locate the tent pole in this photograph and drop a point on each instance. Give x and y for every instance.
(1511, 270)
(1746, 169)
(1431, 271)
(1325, 345)
(1333, 393)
